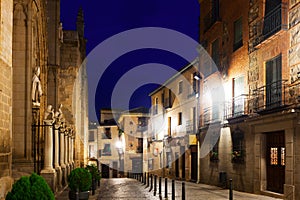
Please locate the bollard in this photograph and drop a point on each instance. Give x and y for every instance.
(155, 185)
(151, 184)
(145, 175)
(147, 180)
(166, 188)
(159, 187)
(183, 191)
(173, 190)
(230, 190)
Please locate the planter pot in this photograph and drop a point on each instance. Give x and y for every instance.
(81, 195)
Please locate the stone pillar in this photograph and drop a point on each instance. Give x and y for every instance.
(70, 150)
(56, 155)
(66, 153)
(62, 156)
(48, 172)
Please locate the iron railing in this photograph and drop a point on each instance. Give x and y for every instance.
(190, 127)
(269, 96)
(212, 16)
(237, 107)
(270, 24)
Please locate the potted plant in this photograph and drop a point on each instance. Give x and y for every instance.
(95, 176)
(33, 187)
(214, 156)
(80, 181)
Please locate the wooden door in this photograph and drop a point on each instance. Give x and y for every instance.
(104, 171)
(275, 161)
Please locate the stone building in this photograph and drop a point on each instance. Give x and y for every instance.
(41, 110)
(6, 95)
(110, 144)
(254, 44)
(172, 143)
(134, 127)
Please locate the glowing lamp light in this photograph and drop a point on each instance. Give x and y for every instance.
(119, 145)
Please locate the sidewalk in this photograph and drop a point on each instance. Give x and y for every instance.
(125, 189)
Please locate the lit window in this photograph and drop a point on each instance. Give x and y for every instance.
(274, 156)
(282, 156)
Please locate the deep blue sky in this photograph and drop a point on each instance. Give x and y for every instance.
(104, 19)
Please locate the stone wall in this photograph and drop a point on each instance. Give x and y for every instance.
(6, 28)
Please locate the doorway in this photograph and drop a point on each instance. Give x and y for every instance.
(115, 169)
(104, 171)
(275, 157)
(176, 165)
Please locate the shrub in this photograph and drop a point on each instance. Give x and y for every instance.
(30, 188)
(81, 179)
(94, 172)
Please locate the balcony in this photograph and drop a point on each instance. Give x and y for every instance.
(190, 127)
(272, 24)
(237, 107)
(141, 128)
(269, 97)
(211, 17)
(211, 115)
(167, 103)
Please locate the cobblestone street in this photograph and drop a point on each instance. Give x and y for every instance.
(133, 189)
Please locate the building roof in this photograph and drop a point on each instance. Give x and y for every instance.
(188, 66)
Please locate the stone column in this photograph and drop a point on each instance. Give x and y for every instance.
(48, 172)
(66, 152)
(62, 156)
(56, 155)
(72, 151)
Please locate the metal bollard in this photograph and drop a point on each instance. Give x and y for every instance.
(183, 191)
(155, 185)
(166, 188)
(151, 185)
(230, 190)
(145, 176)
(147, 180)
(173, 190)
(159, 186)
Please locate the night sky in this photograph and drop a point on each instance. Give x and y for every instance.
(104, 19)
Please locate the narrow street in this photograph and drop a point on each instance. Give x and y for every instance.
(132, 189)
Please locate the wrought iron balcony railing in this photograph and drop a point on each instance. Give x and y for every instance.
(190, 127)
(211, 18)
(272, 23)
(237, 107)
(268, 97)
(211, 114)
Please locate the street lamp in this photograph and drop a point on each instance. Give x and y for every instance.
(119, 146)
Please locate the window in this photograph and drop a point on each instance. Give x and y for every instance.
(237, 145)
(238, 34)
(139, 148)
(107, 150)
(169, 126)
(169, 160)
(179, 118)
(155, 109)
(214, 153)
(91, 136)
(150, 164)
(215, 53)
(180, 87)
(238, 100)
(107, 134)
